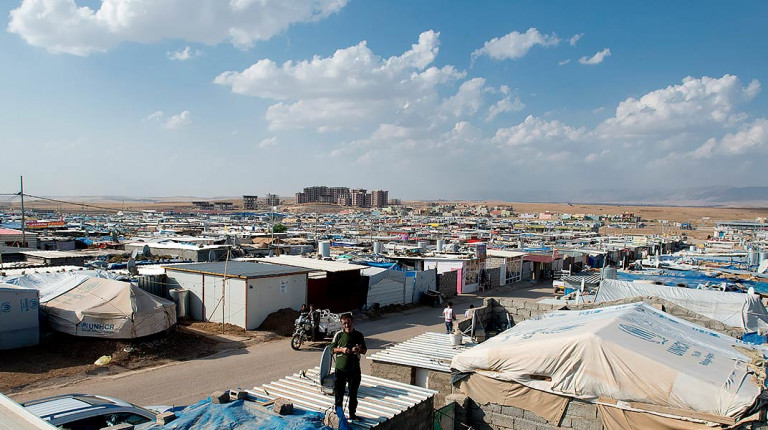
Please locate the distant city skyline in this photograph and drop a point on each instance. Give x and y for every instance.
(531, 101)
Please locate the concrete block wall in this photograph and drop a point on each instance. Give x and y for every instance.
(393, 372)
(494, 276)
(446, 283)
(438, 381)
(578, 415)
(495, 308)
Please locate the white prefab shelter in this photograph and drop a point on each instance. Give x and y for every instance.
(19, 323)
(628, 357)
(741, 310)
(238, 292)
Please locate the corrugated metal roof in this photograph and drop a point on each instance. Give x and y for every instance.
(432, 351)
(378, 399)
(588, 279)
(238, 269)
(313, 263)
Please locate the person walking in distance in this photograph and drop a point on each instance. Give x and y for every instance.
(347, 345)
(450, 317)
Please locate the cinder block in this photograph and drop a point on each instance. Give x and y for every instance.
(524, 424)
(220, 397)
(331, 420)
(163, 419)
(283, 406)
(502, 420)
(237, 395)
(512, 411)
(581, 410)
(585, 424)
(530, 416)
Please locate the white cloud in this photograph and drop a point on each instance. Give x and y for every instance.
(694, 104)
(597, 58)
(507, 104)
(183, 55)
(563, 62)
(752, 137)
(575, 38)
(63, 27)
(270, 141)
(536, 132)
(155, 116)
(515, 45)
(178, 121)
(354, 88)
(467, 100)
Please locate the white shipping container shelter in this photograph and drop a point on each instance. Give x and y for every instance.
(19, 322)
(244, 299)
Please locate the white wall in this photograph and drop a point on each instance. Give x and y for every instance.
(267, 295)
(192, 282)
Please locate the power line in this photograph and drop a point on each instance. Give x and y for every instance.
(75, 203)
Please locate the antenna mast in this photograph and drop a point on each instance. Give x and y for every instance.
(23, 220)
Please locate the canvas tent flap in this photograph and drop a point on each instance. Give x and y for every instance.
(619, 419)
(741, 310)
(485, 390)
(107, 308)
(632, 353)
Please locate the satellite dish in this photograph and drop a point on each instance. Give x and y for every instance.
(145, 251)
(132, 267)
(325, 383)
(751, 291)
(135, 253)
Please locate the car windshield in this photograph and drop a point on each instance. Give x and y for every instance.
(98, 401)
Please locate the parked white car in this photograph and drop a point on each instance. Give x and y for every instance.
(88, 411)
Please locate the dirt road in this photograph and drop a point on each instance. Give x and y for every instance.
(182, 383)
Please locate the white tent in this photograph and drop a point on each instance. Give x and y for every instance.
(82, 305)
(629, 354)
(741, 310)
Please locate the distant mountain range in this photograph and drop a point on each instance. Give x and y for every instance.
(701, 196)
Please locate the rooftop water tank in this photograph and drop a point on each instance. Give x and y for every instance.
(440, 245)
(325, 249)
(180, 296)
(377, 247)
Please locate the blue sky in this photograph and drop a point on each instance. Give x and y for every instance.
(428, 99)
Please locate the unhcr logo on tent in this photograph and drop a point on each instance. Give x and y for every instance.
(97, 328)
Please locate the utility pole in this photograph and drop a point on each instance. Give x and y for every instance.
(23, 220)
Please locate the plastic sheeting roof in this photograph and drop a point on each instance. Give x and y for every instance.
(630, 353)
(741, 310)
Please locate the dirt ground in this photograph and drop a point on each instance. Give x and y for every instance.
(61, 358)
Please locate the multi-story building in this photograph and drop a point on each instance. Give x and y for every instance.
(273, 200)
(250, 202)
(342, 196)
(379, 198)
(360, 197)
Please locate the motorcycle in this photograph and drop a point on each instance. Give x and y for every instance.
(328, 324)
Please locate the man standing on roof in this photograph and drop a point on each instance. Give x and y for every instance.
(450, 317)
(347, 346)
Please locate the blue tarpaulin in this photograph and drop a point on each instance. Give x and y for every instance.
(242, 415)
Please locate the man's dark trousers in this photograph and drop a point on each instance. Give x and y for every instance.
(342, 378)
